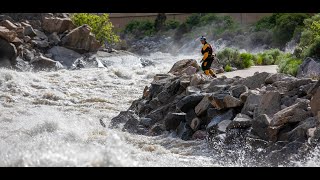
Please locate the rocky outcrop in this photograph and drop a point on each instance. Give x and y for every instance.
(8, 53)
(56, 24)
(81, 40)
(309, 69)
(63, 55)
(274, 112)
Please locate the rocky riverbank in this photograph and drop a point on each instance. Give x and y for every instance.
(276, 115)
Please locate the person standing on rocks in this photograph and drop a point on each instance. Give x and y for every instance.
(207, 59)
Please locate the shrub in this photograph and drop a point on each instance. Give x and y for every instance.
(194, 19)
(140, 28)
(172, 24)
(246, 60)
(102, 28)
(228, 56)
(289, 65)
(227, 68)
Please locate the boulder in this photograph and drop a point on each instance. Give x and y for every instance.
(231, 102)
(192, 90)
(190, 70)
(6, 34)
(204, 104)
(309, 69)
(44, 63)
(222, 126)
(164, 97)
(270, 103)
(228, 115)
(315, 102)
(8, 54)
(58, 25)
(237, 90)
(189, 102)
(184, 131)
(172, 120)
(198, 79)
(27, 39)
(28, 31)
(300, 132)
(314, 88)
(181, 66)
(28, 55)
(159, 114)
(131, 125)
(252, 101)
(194, 123)
(40, 43)
(295, 113)
(240, 121)
(9, 25)
(200, 134)
(272, 78)
(122, 118)
(41, 36)
(147, 122)
(260, 126)
(156, 130)
(81, 40)
(255, 81)
(65, 56)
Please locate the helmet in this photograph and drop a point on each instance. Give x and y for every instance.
(203, 38)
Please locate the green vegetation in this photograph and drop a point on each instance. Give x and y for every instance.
(140, 28)
(246, 60)
(102, 28)
(227, 68)
(289, 65)
(172, 24)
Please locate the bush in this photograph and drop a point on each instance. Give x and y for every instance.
(102, 28)
(227, 68)
(258, 60)
(289, 65)
(140, 28)
(246, 60)
(313, 50)
(266, 23)
(228, 56)
(172, 24)
(193, 20)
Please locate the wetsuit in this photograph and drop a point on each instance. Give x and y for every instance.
(207, 59)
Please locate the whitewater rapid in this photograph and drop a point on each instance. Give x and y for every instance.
(53, 119)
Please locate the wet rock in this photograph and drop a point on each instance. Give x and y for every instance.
(309, 69)
(122, 118)
(146, 62)
(270, 103)
(237, 90)
(147, 122)
(81, 40)
(222, 126)
(300, 132)
(158, 114)
(179, 67)
(260, 126)
(192, 90)
(315, 102)
(257, 143)
(56, 24)
(131, 125)
(8, 54)
(184, 131)
(164, 97)
(228, 115)
(240, 121)
(44, 63)
(194, 123)
(200, 134)
(172, 120)
(65, 56)
(156, 130)
(189, 102)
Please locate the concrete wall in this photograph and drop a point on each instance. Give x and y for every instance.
(119, 20)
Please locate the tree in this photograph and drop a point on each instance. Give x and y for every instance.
(159, 23)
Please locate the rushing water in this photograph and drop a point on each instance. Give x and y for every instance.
(52, 119)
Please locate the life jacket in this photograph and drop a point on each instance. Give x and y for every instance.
(207, 49)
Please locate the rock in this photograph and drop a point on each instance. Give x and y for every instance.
(9, 25)
(28, 55)
(158, 114)
(158, 77)
(184, 84)
(173, 87)
(65, 56)
(28, 31)
(314, 88)
(131, 125)
(184, 131)
(198, 79)
(315, 103)
(122, 118)
(164, 97)
(200, 134)
(181, 66)
(8, 54)
(237, 90)
(81, 40)
(231, 102)
(194, 123)
(309, 69)
(189, 70)
(272, 78)
(253, 100)
(54, 38)
(58, 25)
(260, 126)
(295, 113)
(244, 96)
(212, 112)
(172, 120)
(240, 121)
(270, 103)
(43, 63)
(229, 115)
(41, 36)
(300, 132)
(192, 90)
(7, 34)
(189, 102)
(204, 104)
(156, 130)
(40, 44)
(27, 39)
(216, 88)
(254, 81)
(147, 122)
(222, 126)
